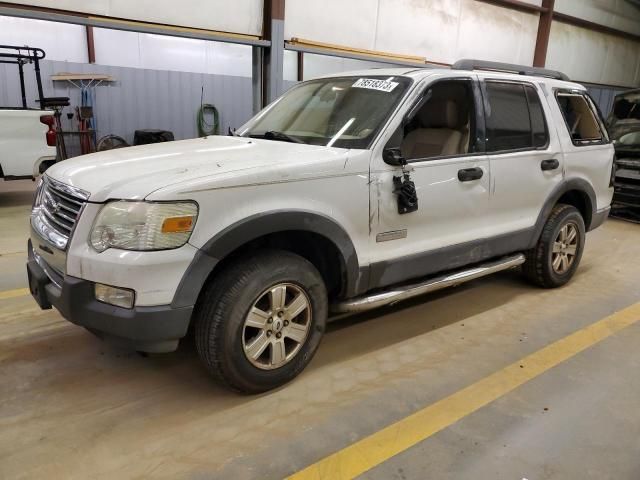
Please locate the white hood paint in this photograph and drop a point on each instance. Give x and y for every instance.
(203, 163)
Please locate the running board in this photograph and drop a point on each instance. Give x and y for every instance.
(403, 292)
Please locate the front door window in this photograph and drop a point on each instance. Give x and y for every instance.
(443, 124)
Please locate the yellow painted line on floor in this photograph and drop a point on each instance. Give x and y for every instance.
(18, 292)
(398, 437)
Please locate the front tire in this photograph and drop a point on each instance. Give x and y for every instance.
(259, 323)
(556, 256)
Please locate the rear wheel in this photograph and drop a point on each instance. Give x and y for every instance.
(259, 323)
(555, 258)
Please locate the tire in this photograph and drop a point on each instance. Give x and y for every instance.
(228, 343)
(541, 267)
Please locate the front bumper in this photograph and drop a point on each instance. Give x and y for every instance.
(149, 329)
(627, 183)
(626, 194)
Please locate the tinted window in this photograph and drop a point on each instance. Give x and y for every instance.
(538, 125)
(515, 119)
(579, 117)
(444, 123)
(508, 122)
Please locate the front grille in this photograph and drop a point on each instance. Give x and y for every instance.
(56, 209)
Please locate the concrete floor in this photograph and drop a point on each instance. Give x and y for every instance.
(73, 407)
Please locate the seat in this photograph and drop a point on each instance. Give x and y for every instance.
(441, 133)
(53, 102)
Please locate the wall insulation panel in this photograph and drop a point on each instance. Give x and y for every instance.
(239, 16)
(440, 30)
(590, 56)
(161, 52)
(60, 41)
(494, 33)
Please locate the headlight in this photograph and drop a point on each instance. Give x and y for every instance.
(143, 225)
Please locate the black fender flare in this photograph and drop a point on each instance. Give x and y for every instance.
(256, 226)
(577, 184)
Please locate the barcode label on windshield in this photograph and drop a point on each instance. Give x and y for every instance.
(373, 84)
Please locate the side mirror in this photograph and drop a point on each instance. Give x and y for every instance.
(393, 157)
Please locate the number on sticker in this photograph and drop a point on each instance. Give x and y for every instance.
(373, 84)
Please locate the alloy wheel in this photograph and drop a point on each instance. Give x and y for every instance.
(277, 326)
(565, 248)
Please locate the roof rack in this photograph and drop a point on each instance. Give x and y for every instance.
(470, 64)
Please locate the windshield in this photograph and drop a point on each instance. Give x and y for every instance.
(342, 112)
(624, 120)
(627, 107)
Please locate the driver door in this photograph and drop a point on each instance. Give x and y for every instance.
(442, 139)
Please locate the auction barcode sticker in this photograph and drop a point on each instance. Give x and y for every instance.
(373, 84)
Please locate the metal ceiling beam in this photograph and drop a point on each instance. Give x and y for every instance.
(596, 27)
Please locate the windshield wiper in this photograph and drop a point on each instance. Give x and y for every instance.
(281, 136)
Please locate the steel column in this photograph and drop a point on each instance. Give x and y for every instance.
(36, 66)
(300, 66)
(273, 58)
(544, 30)
(257, 80)
(91, 48)
(22, 89)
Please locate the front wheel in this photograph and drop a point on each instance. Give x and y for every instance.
(556, 256)
(259, 323)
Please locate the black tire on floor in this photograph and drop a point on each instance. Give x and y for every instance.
(224, 305)
(538, 267)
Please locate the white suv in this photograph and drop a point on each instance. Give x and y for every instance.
(347, 193)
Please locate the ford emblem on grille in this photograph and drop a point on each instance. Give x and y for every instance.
(52, 203)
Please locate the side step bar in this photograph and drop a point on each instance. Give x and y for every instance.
(403, 292)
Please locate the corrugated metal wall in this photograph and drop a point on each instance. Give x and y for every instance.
(140, 98)
(603, 96)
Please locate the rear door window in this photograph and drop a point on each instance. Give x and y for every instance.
(514, 117)
(580, 118)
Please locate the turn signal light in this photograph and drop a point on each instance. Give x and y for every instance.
(177, 224)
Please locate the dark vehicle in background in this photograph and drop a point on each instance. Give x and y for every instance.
(624, 127)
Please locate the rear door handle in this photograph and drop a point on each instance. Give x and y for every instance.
(470, 174)
(550, 164)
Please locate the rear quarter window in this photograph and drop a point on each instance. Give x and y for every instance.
(581, 118)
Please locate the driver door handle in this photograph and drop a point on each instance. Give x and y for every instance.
(550, 164)
(470, 174)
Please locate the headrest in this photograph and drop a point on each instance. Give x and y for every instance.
(440, 113)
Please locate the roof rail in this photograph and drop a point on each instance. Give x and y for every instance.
(470, 64)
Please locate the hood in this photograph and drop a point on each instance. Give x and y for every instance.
(133, 173)
(626, 138)
(618, 128)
